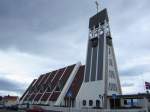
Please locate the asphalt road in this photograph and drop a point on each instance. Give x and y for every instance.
(1, 110)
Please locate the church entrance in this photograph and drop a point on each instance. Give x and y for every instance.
(115, 103)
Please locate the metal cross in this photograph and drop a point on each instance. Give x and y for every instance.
(97, 5)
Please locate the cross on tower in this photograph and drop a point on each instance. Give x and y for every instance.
(97, 5)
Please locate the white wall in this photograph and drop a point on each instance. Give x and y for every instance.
(90, 91)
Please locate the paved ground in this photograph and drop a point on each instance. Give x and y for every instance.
(3, 110)
(9, 111)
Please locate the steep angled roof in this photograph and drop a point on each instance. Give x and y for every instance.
(49, 86)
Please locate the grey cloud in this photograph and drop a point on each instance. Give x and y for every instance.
(22, 22)
(7, 85)
(127, 84)
(138, 70)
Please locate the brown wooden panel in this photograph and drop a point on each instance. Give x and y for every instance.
(45, 96)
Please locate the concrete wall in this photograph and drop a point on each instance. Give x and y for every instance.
(90, 91)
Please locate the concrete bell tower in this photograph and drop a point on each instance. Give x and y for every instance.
(101, 74)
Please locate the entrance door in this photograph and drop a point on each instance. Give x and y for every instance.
(115, 103)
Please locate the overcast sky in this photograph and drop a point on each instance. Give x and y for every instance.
(37, 36)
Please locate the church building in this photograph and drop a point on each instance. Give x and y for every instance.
(93, 85)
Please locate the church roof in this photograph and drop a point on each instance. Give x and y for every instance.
(49, 86)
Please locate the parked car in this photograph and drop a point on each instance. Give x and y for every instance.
(12, 107)
(1, 106)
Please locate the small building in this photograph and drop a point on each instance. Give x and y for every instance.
(132, 101)
(9, 101)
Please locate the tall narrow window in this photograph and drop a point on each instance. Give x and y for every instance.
(110, 62)
(90, 103)
(109, 50)
(97, 103)
(84, 102)
(111, 74)
(112, 87)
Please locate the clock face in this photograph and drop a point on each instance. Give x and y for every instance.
(94, 42)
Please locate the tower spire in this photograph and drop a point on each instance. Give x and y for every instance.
(101, 73)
